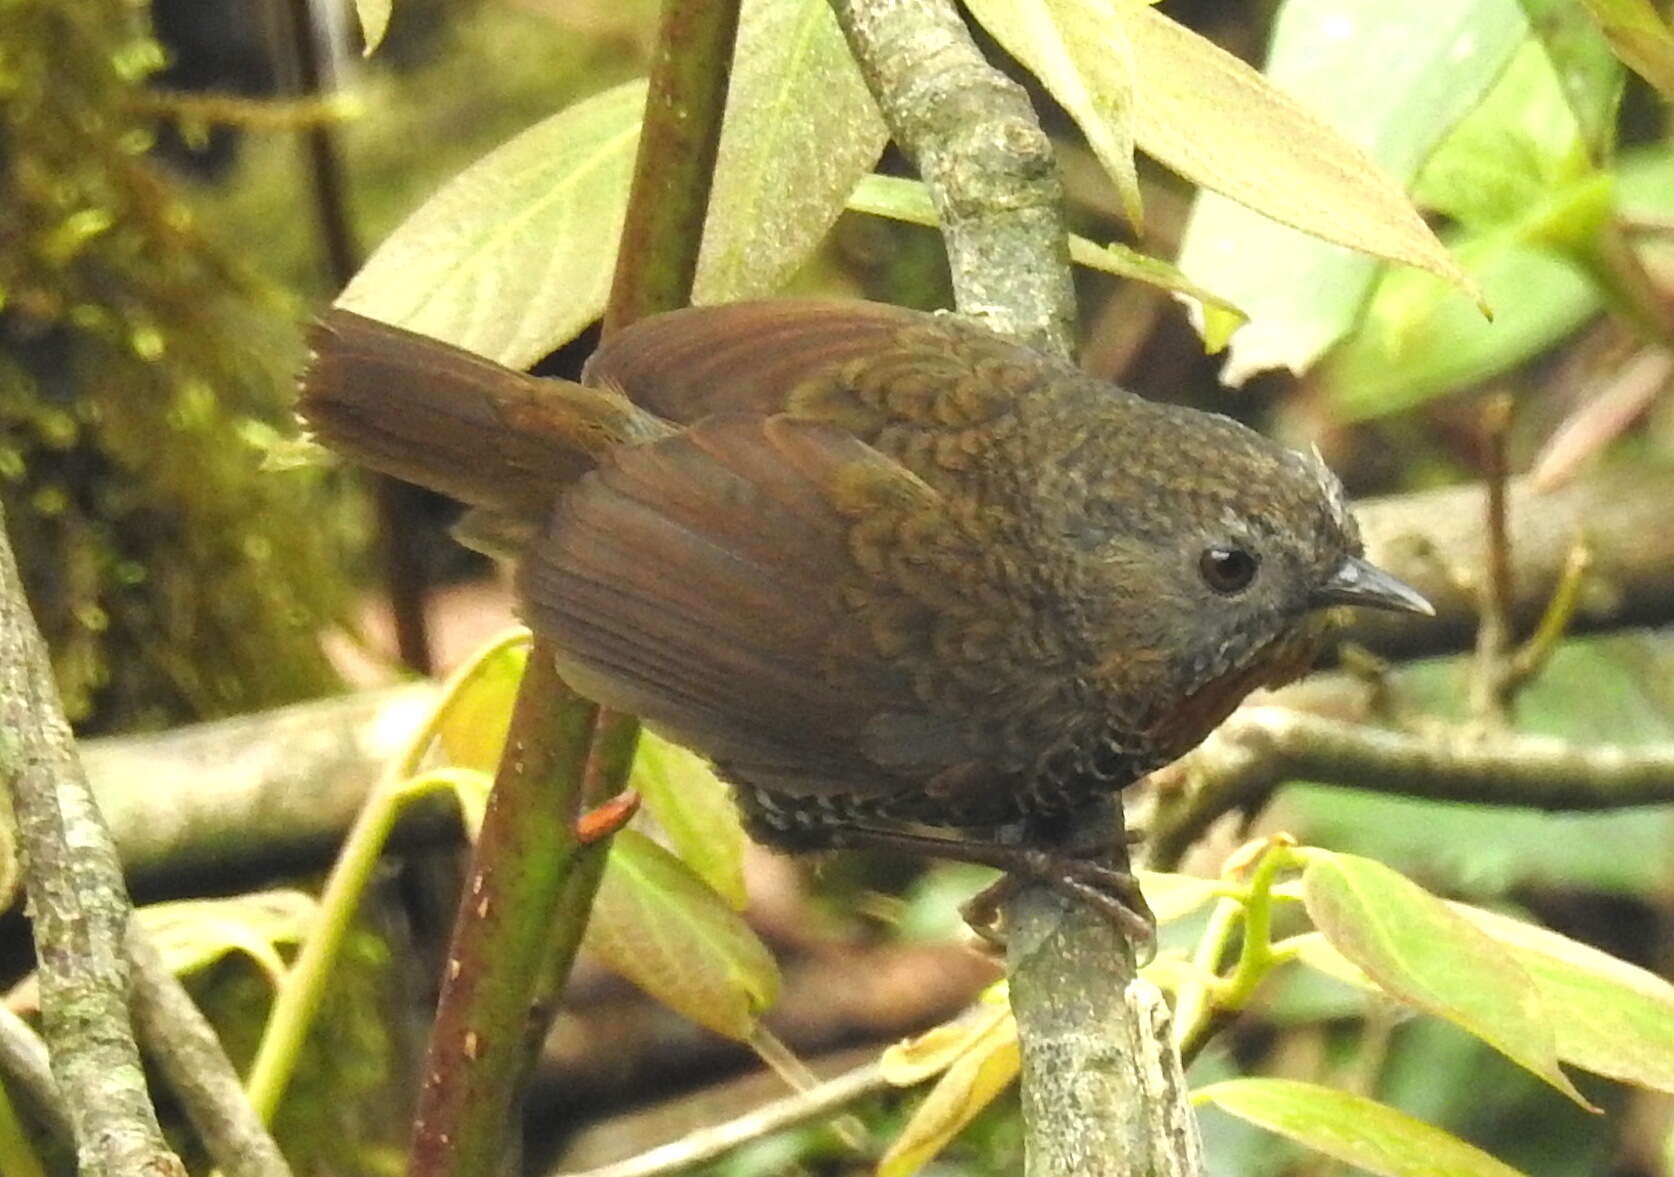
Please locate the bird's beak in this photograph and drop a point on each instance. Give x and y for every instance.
(1358, 583)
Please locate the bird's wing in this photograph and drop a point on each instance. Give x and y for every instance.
(873, 370)
(771, 593)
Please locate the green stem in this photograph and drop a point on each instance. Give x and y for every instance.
(297, 1003)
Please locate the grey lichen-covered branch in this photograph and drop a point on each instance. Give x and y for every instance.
(979, 148)
(78, 908)
(1103, 1093)
(1261, 747)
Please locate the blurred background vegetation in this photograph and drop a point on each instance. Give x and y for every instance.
(163, 235)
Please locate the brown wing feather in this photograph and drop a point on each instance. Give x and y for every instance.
(740, 357)
(700, 582)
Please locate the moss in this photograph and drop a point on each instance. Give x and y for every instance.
(140, 369)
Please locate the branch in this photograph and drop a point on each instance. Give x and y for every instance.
(1103, 1094)
(706, 1144)
(1261, 747)
(79, 910)
(979, 148)
(26, 1068)
(185, 1048)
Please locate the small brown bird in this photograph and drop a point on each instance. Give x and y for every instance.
(887, 569)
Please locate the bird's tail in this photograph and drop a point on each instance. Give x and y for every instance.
(436, 415)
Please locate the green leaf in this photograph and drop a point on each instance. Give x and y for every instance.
(800, 129)
(1352, 1129)
(1423, 953)
(1588, 71)
(473, 725)
(1079, 50)
(909, 200)
(913, 1060)
(695, 809)
(1521, 142)
(192, 934)
(1392, 78)
(659, 925)
(1639, 38)
(513, 256)
(982, 1070)
(1172, 896)
(374, 22)
(1609, 1017)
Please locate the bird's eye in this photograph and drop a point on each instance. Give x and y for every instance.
(1227, 570)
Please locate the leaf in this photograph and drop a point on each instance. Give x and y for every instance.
(1423, 953)
(374, 22)
(1393, 78)
(473, 725)
(1352, 1129)
(913, 1060)
(1639, 38)
(800, 129)
(969, 1085)
(695, 808)
(1588, 71)
(655, 922)
(1609, 1017)
(192, 934)
(1172, 896)
(1079, 50)
(513, 256)
(909, 200)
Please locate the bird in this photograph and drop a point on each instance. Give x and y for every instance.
(905, 582)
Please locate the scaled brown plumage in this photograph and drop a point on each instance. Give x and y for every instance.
(882, 567)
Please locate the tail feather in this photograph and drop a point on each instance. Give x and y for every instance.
(436, 415)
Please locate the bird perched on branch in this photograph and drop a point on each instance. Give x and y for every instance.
(907, 583)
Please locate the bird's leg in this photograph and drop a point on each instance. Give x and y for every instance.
(1082, 874)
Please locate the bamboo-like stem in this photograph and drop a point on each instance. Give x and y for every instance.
(532, 883)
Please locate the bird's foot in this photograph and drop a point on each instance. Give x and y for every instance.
(1111, 891)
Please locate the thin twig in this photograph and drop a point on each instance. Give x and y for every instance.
(1491, 689)
(80, 911)
(706, 1144)
(25, 1067)
(177, 1036)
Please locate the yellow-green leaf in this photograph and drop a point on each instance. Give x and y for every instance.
(1609, 1017)
(970, 1084)
(1219, 123)
(1172, 896)
(909, 200)
(472, 727)
(800, 129)
(695, 808)
(374, 22)
(913, 1060)
(1079, 50)
(659, 925)
(192, 934)
(1352, 1129)
(1640, 38)
(513, 256)
(1421, 952)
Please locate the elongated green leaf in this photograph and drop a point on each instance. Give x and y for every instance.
(1392, 78)
(662, 927)
(1588, 71)
(800, 129)
(1173, 896)
(1640, 39)
(1423, 953)
(472, 731)
(912, 1061)
(909, 200)
(1608, 1016)
(192, 934)
(513, 256)
(985, 1068)
(1352, 1129)
(374, 22)
(1079, 50)
(695, 808)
